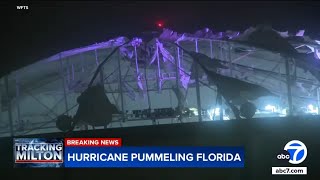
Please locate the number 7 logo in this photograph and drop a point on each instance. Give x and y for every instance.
(297, 151)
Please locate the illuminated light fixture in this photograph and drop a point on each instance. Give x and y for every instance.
(215, 111)
(226, 118)
(283, 112)
(270, 108)
(210, 113)
(312, 109)
(195, 111)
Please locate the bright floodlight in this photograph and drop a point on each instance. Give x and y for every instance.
(212, 112)
(195, 111)
(226, 118)
(217, 110)
(284, 112)
(312, 109)
(270, 108)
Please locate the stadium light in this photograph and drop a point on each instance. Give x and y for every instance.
(270, 108)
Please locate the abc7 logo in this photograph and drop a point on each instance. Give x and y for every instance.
(294, 151)
(283, 155)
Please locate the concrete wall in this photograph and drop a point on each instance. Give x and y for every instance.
(262, 139)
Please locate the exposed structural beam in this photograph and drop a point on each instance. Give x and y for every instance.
(8, 102)
(218, 97)
(219, 102)
(198, 86)
(136, 60)
(220, 50)
(43, 104)
(146, 79)
(73, 72)
(101, 79)
(101, 69)
(83, 69)
(289, 87)
(281, 88)
(211, 50)
(177, 63)
(268, 75)
(68, 80)
(230, 58)
(241, 57)
(120, 88)
(96, 57)
(159, 69)
(64, 86)
(54, 106)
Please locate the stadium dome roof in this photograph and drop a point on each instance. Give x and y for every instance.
(35, 95)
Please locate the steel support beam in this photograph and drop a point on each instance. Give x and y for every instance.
(101, 69)
(82, 62)
(73, 72)
(211, 50)
(120, 88)
(280, 85)
(136, 60)
(101, 79)
(220, 50)
(177, 63)
(241, 57)
(158, 70)
(64, 85)
(289, 94)
(146, 79)
(50, 110)
(198, 86)
(43, 104)
(230, 58)
(219, 101)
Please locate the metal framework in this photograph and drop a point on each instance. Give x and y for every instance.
(135, 80)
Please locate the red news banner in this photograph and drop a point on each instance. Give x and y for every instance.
(92, 142)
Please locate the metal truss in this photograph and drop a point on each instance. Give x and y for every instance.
(129, 79)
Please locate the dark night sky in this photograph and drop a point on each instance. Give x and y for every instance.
(48, 28)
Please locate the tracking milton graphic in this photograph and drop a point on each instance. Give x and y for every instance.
(38, 152)
(294, 152)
